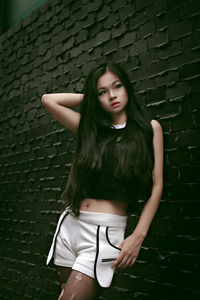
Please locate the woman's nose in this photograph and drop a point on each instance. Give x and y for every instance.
(111, 94)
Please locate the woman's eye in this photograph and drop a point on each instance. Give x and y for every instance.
(102, 93)
(118, 85)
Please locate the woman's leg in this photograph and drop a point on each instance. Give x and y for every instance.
(63, 274)
(80, 287)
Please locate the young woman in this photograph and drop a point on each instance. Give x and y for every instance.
(118, 159)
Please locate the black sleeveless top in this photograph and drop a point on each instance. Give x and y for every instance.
(107, 183)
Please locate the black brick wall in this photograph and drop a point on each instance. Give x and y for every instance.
(51, 51)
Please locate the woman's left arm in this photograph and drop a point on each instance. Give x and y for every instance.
(131, 245)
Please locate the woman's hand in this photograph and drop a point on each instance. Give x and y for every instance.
(130, 248)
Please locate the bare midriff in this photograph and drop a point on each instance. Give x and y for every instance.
(104, 206)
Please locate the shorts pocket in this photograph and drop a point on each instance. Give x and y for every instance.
(114, 237)
(107, 251)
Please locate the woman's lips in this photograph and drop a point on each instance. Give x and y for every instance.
(114, 104)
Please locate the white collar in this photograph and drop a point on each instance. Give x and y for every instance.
(119, 126)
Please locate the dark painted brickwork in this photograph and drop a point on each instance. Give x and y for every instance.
(158, 42)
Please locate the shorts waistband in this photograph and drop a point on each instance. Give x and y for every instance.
(102, 219)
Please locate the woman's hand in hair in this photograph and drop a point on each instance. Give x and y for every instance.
(130, 248)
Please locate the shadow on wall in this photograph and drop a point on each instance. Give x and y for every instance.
(14, 11)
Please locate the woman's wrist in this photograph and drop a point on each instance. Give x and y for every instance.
(139, 235)
(64, 99)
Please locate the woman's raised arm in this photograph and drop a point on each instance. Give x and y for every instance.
(60, 106)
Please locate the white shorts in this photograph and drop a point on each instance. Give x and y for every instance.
(88, 243)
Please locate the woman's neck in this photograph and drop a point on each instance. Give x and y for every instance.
(119, 119)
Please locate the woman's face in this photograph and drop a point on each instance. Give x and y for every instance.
(112, 95)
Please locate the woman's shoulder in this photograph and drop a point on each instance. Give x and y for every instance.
(157, 129)
(155, 125)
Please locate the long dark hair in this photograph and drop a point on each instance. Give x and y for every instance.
(136, 157)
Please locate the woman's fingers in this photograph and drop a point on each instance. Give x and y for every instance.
(127, 262)
(133, 260)
(124, 260)
(117, 261)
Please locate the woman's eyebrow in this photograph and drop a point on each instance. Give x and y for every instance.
(102, 87)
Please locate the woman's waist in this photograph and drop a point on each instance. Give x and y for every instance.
(105, 206)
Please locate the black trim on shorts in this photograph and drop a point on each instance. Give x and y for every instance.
(97, 253)
(107, 237)
(57, 234)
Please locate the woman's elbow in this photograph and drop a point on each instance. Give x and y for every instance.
(44, 99)
(157, 186)
(158, 189)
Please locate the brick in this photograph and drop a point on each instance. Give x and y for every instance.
(179, 30)
(146, 29)
(141, 4)
(155, 95)
(127, 11)
(173, 48)
(111, 22)
(189, 9)
(127, 39)
(170, 140)
(194, 84)
(68, 44)
(117, 5)
(172, 175)
(172, 4)
(135, 20)
(82, 36)
(177, 61)
(177, 90)
(189, 174)
(89, 21)
(31, 114)
(182, 260)
(191, 41)
(195, 158)
(75, 73)
(158, 67)
(103, 13)
(147, 56)
(169, 110)
(189, 138)
(158, 40)
(189, 70)
(196, 119)
(102, 37)
(94, 6)
(95, 30)
(75, 6)
(167, 78)
(59, 37)
(158, 7)
(119, 30)
(110, 47)
(76, 51)
(182, 122)
(138, 47)
(89, 44)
